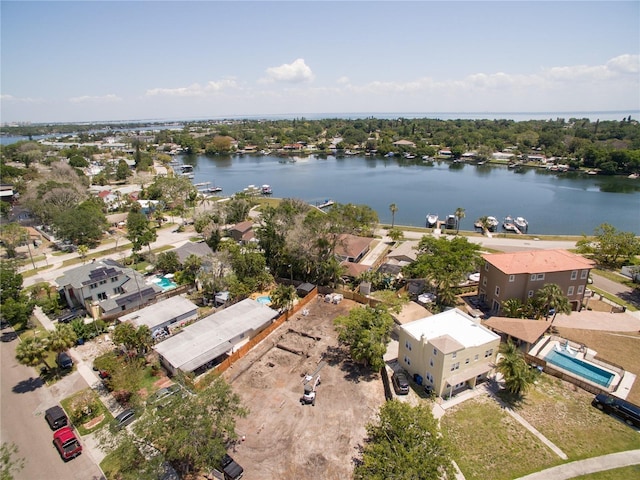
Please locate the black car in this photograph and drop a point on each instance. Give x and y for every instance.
(400, 383)
(627, 411)
(64, 360)
(125, 418)
(231, 469)
(55, 417)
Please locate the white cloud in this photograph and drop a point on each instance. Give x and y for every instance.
(342, 81)
(296, 72)
(194, 90)
(625, 64)
(96, 99)
(11, 98)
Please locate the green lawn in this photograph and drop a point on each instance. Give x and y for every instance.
(563, 413)
(98, 410)
(489, 443)
(624, 473)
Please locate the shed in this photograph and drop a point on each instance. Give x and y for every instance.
(304, 289)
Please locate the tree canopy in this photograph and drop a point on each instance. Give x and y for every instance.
(609, 246)
(404, 444)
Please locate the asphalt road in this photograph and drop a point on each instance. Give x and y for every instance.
(23, 400)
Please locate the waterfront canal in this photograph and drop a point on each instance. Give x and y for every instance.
(553, 203)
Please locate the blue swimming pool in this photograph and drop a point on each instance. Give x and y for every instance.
(164, 283)
(265, 300)
(579, 367)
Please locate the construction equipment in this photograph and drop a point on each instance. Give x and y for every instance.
(310, 385)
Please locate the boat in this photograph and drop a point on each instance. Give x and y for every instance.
(509, 224)
(492, 223)
(214, 189)
(266, 190)
(452, 222)
(521, 223)
(186, 168)
(432, 220)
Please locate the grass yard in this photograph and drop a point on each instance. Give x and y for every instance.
(620, 348)
(563, 413)
(489, 443)
(90, 399)
(624, 473)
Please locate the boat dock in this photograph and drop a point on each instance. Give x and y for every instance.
(325, 204)
(511, 227)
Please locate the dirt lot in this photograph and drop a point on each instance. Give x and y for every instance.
(285, 439)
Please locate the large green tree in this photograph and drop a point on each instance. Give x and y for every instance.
(404, 443)
(609, 246)
(283, 296)
(13, 235)
(10, 281)
(62, 338)
(139, 231)
(32, 351)
(135, 340)
(83, 224)
(366, 332)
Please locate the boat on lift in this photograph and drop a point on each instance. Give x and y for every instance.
(432, 220)
(266, 190)
(521, 223)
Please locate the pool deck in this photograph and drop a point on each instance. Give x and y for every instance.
(621, 382)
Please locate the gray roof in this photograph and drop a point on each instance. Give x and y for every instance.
(199, 249)
(161, 312)
(91, 272)
(210, 337)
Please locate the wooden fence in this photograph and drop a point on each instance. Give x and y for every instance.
(246, 348)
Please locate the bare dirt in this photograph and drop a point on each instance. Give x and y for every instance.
(282, 437)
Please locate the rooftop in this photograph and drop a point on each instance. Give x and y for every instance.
(160, 312)
(452, 329)
(537, 261)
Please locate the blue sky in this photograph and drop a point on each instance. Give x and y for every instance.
(119, 60)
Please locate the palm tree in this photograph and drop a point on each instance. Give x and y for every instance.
(459, 213)
(394, 208)
(518, 377)
(551, 297)
(32, 351)
(62, 338)
(513, 308)
(282, 296)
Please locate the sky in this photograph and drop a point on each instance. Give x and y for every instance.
(140, 60)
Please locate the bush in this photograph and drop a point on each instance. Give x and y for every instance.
(84, 407)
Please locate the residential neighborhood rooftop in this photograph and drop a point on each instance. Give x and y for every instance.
(537, 261)
(160, 312)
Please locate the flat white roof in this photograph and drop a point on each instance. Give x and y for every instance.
(210, 337)
(454, 323)
(160, 312)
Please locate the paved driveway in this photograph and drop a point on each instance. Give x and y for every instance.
(23, 401)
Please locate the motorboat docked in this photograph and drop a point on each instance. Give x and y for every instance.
(521, 223)
(492, 223)
(186, 168)
(452, 222)
(509, 224)
(432, 220)
(266, 190)
(214, 189)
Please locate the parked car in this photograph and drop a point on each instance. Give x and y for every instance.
(125, 418)
(164, 396)
(231, 469)
(55, 417)
(64, 360)
(67, 444)
(400, 383)
(627, 411)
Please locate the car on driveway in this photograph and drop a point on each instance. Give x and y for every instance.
(67, 443)
(55, 417)
(64, 360)
(125, 418)
(400, 383)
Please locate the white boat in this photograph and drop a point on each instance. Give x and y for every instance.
(214, 189)
(432, 220)
(266, 190)
(492, 223)
(186, 168)
(521, 223)
(452, 222)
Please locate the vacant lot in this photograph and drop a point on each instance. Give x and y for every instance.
(284, 439)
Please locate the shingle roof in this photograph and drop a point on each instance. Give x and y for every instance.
(91, 272)
(351, 245)
(537, 261)
(199, 249)
(524, 329)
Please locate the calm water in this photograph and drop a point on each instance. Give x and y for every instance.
(552, 203)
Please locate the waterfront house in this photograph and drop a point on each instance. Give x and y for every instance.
(521, 274)
(351, 248)
(404, 143)
(448, 352)
(242, 232)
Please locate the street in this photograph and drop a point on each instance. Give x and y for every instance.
(23, 400)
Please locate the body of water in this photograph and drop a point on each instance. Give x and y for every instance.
(564, 203)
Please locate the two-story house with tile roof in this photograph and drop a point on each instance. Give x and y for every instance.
(521, 274)
(449, 351)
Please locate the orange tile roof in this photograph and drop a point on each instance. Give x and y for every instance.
(537, 261)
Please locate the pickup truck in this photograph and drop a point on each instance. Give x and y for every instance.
(67, 444)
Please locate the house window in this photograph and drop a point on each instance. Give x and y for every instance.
(540, 276)
(102, 282)
(580, 289)
(475, 359)
(574, 274)
(118, 290)
(114, 279)
(584, 274)
(570, 290)
(435, 352)
(488, 353)
(497, 291)
(512, 278)
(530, 293)
(406, 360)
(533, 277)
(454, 355)
(484, 281)
(431, 362)
(407, 344)
(455, 366)
(93, 286)
(466, 362)
(102, 296)
(486, 266)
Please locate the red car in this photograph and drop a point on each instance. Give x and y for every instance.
(67, 443)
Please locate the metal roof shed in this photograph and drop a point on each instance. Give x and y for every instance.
(164, 313)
